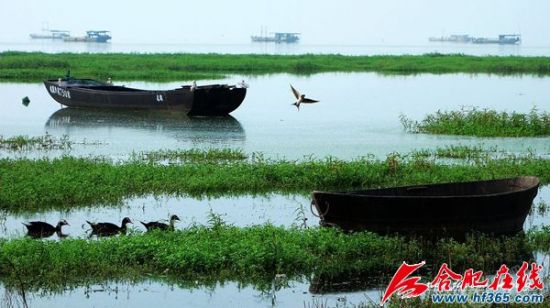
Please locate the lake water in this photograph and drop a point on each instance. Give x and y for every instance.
(525, 49)
(358, 115)
(227, 294)
(242, 211)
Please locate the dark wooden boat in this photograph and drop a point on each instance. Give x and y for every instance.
(205, 100)
(496, 207)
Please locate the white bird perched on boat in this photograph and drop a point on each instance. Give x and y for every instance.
(242, 84)
(193, 86)
(301, 98)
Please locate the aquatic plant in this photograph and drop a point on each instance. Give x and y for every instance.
(224, 251)
(67, 182)
(482, 123)
(194, 155)
(458, 152)
(46, 142)
(34, 66)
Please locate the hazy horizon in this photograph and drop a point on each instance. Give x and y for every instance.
(346, 22)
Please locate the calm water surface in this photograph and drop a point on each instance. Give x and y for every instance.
(525, 49)
(276, 209)
(227, 294)
(358, 115)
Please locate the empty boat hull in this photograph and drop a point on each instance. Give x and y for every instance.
(497, 207)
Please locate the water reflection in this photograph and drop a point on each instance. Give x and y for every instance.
(46, 234)
(348, 281)
(147, 292)
(173, 124)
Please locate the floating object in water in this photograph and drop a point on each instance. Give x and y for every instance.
(496, 207)
(26, 101)
(107, 228)
(301, 98)
(157, 225)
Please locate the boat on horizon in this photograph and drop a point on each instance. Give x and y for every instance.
(215, 99)
(503, 39)
(454, 38)
(92, 36)
(51, 35)
(277, 37)
(497, 207)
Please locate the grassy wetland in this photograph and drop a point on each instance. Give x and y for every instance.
(255, 253)
(482, 123)
(68, 182)
(35, 66)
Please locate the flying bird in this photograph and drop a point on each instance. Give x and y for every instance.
(301, 98)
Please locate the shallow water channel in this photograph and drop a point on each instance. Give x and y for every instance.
(241, 211)
(358, 115)
(161, 294)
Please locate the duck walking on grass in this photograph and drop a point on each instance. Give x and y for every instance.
(157, 225)
(40, 229)
(107, 228)
(301, 98)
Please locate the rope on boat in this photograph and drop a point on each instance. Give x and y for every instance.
(318, 215)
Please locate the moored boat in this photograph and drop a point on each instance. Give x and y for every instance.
(217, 99)
(496, 207)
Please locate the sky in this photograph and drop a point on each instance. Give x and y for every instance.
(346, 22)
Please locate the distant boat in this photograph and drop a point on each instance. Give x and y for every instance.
(503, 39)
(455, 38)
(216, 99)
(495, 207)
(92, 36)
(52, 35)
(277, 37)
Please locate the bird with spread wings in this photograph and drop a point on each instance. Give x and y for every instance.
(301, 98)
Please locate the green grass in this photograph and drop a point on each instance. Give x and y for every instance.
(464, 152)
(68, 182)
(33, 66)
(46, 142)
(192, 155)
(482, 123)
(258, 252)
